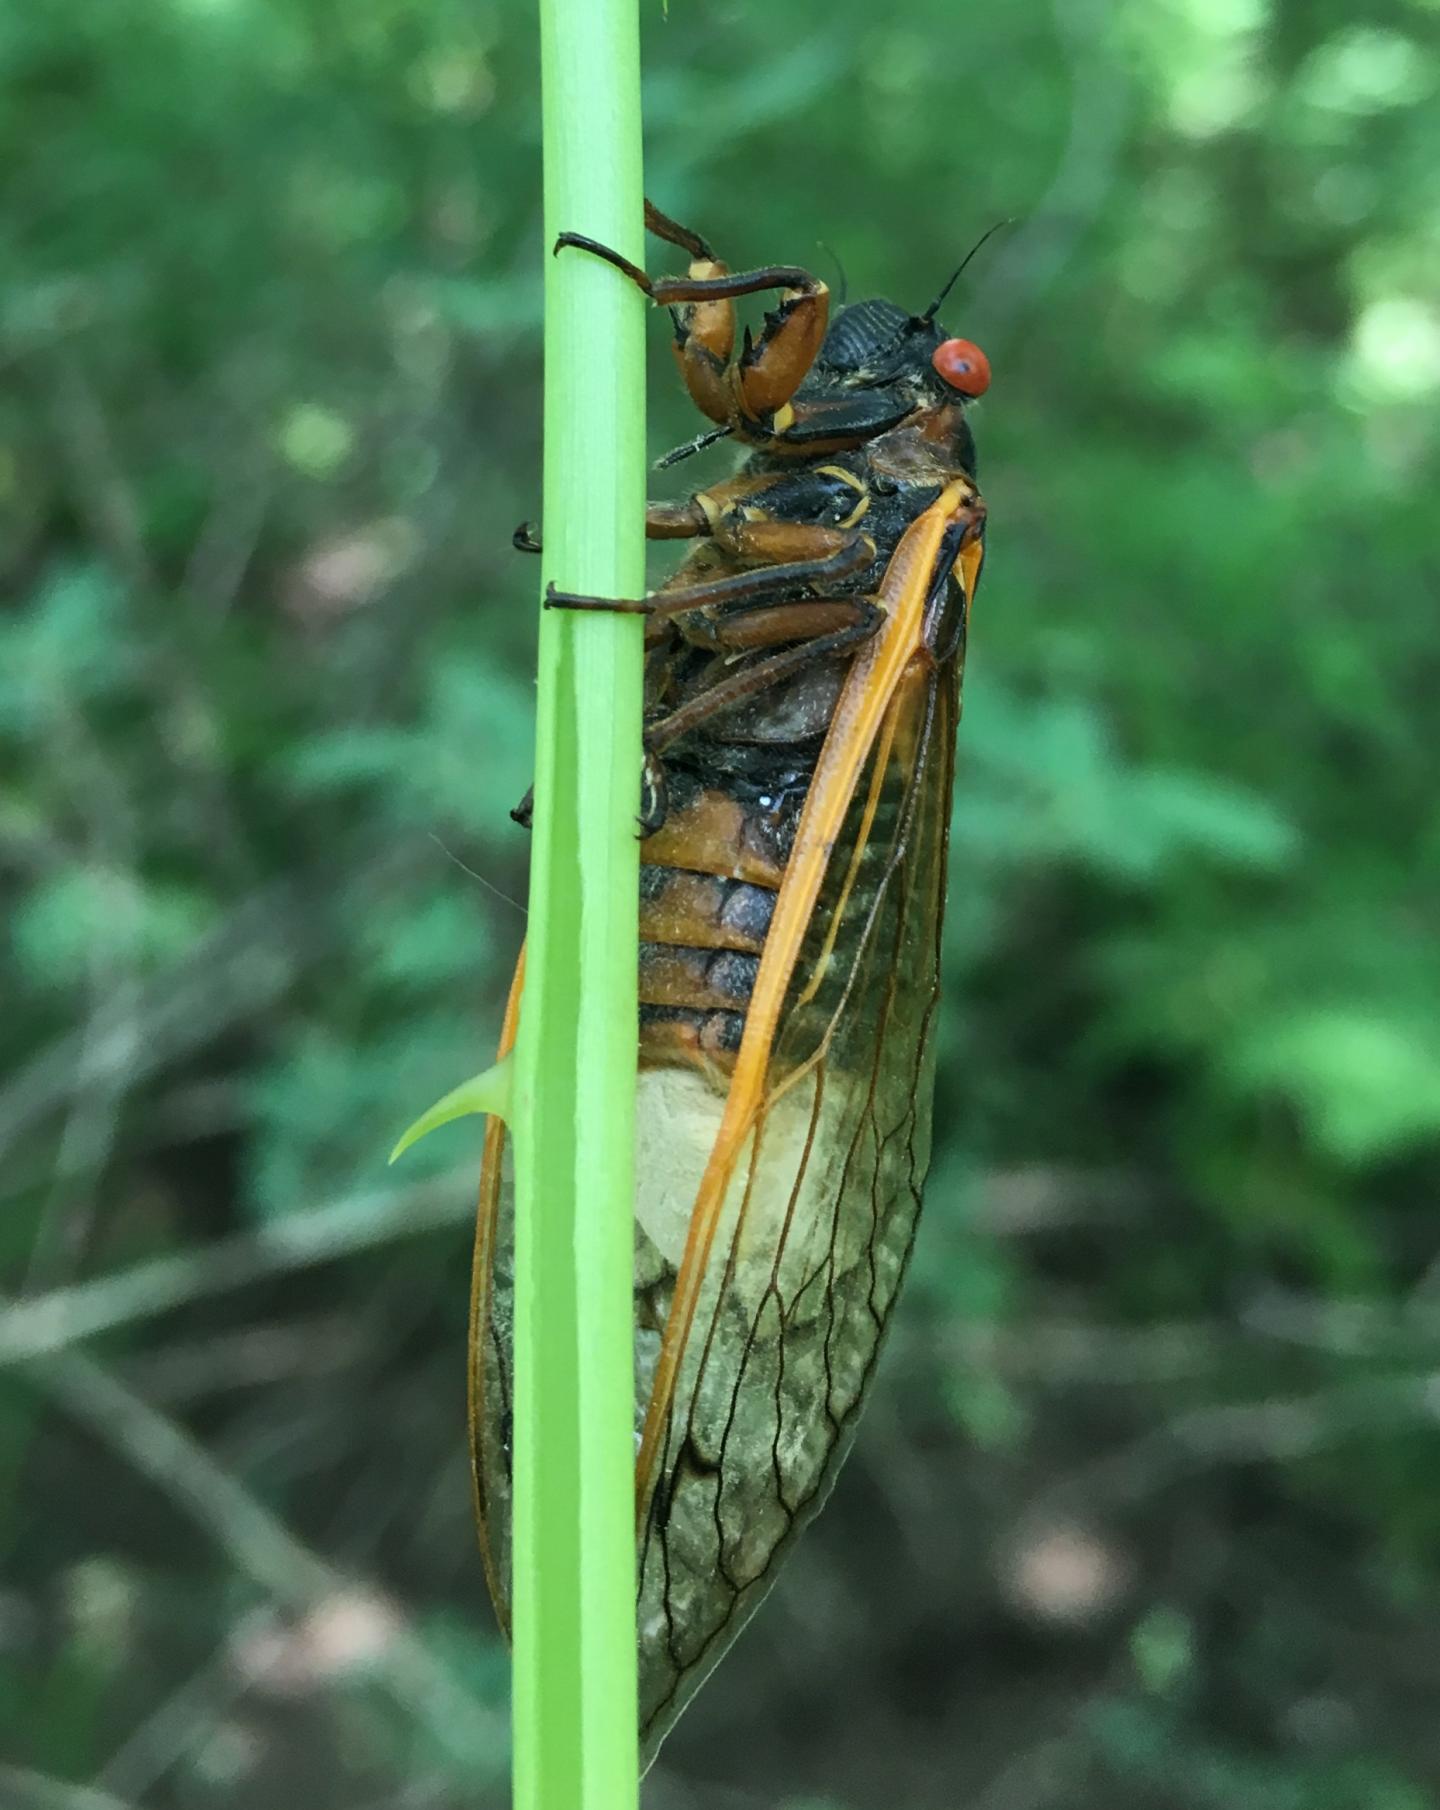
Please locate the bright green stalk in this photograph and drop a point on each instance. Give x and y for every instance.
(573, 1108)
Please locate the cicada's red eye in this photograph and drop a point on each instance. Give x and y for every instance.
(963, 366)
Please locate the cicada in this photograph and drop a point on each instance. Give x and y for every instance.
(803, 671)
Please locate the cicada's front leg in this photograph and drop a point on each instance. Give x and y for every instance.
(748, 394)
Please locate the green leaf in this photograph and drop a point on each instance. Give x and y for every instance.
(487, 1092)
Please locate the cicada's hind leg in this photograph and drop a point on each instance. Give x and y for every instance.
(803, 630)
(746, 393)
(816, 629)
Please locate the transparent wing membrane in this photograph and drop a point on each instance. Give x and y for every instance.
(774, 1212)
(817, 1224)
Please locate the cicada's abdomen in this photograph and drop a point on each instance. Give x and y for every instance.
(820, 1206)
(707, 893)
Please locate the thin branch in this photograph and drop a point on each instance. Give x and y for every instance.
(22, 1789)
(259, 1545)
(1284, 1429)
(229, 977)
(270, 1352)
(38, 1328)
(179, 1725)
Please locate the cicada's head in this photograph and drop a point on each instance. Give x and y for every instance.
(872, 345)
(877, 345)
(880, 366)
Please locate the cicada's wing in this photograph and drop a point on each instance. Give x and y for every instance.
(820, 1213)
(492, 1330)
(774, 1212)
(809, 1206)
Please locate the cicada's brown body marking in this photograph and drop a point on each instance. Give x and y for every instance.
(802, 688)
(739, 838)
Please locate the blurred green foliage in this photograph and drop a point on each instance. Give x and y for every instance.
(1145, 1511)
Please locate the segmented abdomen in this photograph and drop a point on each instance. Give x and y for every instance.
(707, 895)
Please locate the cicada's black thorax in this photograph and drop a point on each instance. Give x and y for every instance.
(738, 782)
(873, 371)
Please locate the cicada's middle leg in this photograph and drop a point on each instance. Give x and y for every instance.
(747, 611)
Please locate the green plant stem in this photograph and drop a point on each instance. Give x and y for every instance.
(573, 1105)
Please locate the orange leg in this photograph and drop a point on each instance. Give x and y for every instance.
(743, 394)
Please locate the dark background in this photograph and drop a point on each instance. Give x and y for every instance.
(1145, 1511)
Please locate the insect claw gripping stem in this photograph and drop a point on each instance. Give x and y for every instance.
(654, 800)
(583, 243)
(615, 606)
(654, 795)
(661, 225)
(673, 233)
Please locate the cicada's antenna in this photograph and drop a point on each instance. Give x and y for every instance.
(917, 321)
(935, 306)
(834, 257)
